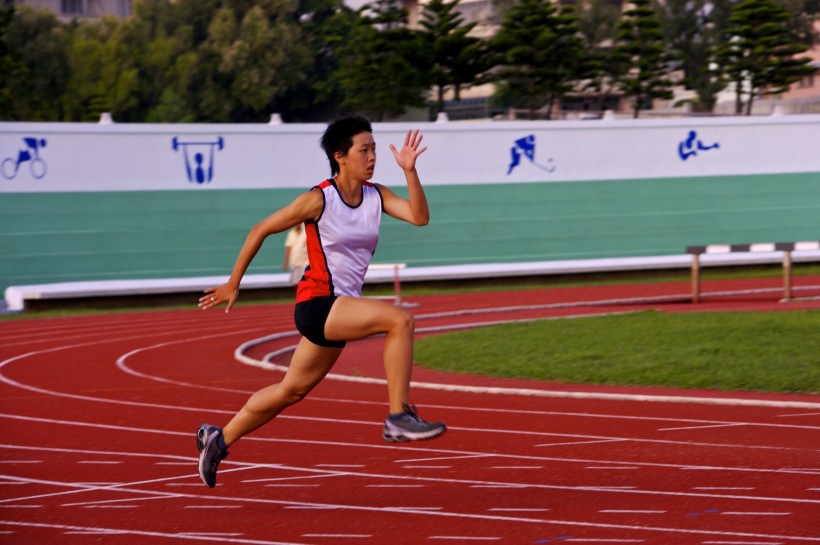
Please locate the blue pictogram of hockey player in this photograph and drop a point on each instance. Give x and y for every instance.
(526, 146)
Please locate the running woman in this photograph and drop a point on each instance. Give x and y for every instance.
(342, 216)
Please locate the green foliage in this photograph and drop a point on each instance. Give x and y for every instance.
(759, 56)
(597, 23)
(34, 65)
(694, 29)
(458, 59)
(775, 351)
(103, 72)
(241, 60)
(641, 51)
(540, 52)
(326, 26)
(383, 66)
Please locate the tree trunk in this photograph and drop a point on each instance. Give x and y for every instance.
(749, 104)
(738, 98)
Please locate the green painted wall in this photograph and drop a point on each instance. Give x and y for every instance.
(62, 237)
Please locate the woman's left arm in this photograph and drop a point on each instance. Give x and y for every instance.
(414, 209)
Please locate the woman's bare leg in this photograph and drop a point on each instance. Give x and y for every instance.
(309, 365)
(353, 318)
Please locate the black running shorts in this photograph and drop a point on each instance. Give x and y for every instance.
(310, 317)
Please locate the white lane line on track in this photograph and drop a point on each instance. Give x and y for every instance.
(516, 467)
(441, 458)
(292, 478)
(529, 392)
(389, 447)
(605, 540)
(726, 425)
(121, 364)
(395, 486)
(465, 538)
(111, 506)
(610, 468)
(583, 395)
(566, 443)
(518, 510)
(405, 478)
(712, 542)
(723, 488)
(213, 506)
(754, 513)
(564, 522)
(339, 536)
(367, 423)
(142, 533)
(635, 511)
(291, 485)
(212, 534)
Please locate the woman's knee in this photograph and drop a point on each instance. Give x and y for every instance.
(404, 321)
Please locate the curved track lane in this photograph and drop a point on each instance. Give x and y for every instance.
(99, 414)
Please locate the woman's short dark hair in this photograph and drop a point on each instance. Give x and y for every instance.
(339, 136)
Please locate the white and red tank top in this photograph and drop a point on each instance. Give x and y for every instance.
(340, 243)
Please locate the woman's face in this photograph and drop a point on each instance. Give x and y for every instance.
(360, 160)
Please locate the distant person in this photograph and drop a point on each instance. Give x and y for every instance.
(296, 257)
(342, 216)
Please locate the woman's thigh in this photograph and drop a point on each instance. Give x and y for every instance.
(309, 365)
(353, 318)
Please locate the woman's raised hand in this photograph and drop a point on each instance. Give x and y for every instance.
(406, 156)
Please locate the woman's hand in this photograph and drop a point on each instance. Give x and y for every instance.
(406, 157)
(219, 295)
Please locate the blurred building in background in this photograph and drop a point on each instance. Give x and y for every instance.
(67, 10)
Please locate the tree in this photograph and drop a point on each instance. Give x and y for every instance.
(759, 56)
(326, 26)
(641, 49)
(250, 58)
(540, 53)
(103, 74)
(597, 22)
(458, 58)
(35, 66)
(383, 67)
(694, 29)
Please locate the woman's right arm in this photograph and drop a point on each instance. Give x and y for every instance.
(307, 206)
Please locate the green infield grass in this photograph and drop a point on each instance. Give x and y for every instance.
(752, 351)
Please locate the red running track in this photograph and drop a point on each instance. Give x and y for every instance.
(99, 415)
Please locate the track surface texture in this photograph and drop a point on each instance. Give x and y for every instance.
(99, 415)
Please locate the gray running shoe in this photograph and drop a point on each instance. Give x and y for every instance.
(407, 426)
(212, 450)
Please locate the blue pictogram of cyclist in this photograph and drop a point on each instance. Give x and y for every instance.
(31, 155)
(197, 168)
(526, 146)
